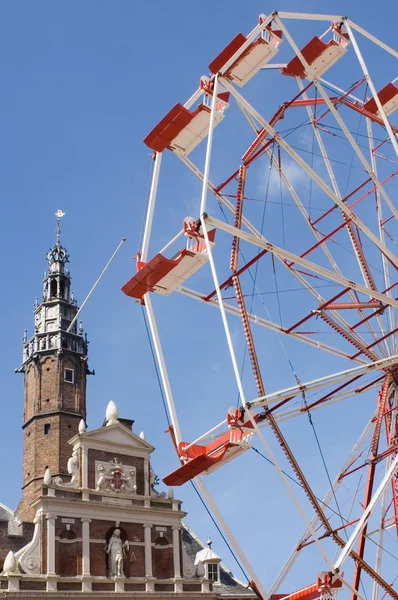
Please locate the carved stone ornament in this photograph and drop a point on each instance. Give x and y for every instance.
(112, 413)
(47, 479)
(73, 470)
(116, 477)
(188, 567)
(117, 551)
(29, 557)
(10, 565)
(154, 481)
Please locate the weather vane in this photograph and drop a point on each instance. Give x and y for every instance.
(59, 214)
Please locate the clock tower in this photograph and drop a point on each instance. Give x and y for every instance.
(55, 370)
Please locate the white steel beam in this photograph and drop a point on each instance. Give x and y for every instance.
(209, 145)
(151, 206)
(308, 16)
(332, 379)
(231, 538)
(194, 295)
(365, 515)
(285, 254)
(371, 86)
(373, 38)
(162, 368)
(351, 233)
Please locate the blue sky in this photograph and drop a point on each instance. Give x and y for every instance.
(83, 83)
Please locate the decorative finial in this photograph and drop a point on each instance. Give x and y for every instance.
(209, 541)
(112, 413)
(142, 435)
(170, 493)
(59, 214)
(47, 479)
(82, 426)
(10, 563)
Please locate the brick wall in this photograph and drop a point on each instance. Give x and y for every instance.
(42, 450)
(47, 430)
(14, 542)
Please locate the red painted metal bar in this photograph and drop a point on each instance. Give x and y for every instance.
(228, 281)
(303, 545)
(339, 99)
(346, 335)
(312, 314)
(384, 337)
(378, 311)
(327, 396)
(233, 264)
(249, 157)
(349, 305)
(391, 424)
(320, 242)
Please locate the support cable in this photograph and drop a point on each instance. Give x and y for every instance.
(219, 531)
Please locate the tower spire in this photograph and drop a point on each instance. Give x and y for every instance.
(55, 370)
(59, 214)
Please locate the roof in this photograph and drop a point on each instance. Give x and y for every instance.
(6, 514)
(230, 585)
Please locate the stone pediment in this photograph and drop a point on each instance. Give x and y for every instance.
(114, 434)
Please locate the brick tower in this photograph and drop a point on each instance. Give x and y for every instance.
(55, 370)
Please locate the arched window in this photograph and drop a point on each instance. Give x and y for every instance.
(53, 288)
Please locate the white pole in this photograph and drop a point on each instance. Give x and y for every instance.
(366, 514)
(95, 285)
(230, 536)
(162, 368)
(151, 206)
(374, 39)
(209, 145)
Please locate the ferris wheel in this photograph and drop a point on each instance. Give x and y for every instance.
(291, 113)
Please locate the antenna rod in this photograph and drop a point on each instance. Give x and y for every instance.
(95, 285)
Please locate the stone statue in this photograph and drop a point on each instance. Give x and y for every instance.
(103, 480)
(117, 551)
(73, 467)
(128, 482)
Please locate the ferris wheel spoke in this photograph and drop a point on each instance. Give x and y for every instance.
(348, 332)
(315, 177)
(385, 263)
(266, 323)
(320, 239)
(285, 254)
(365, 270)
